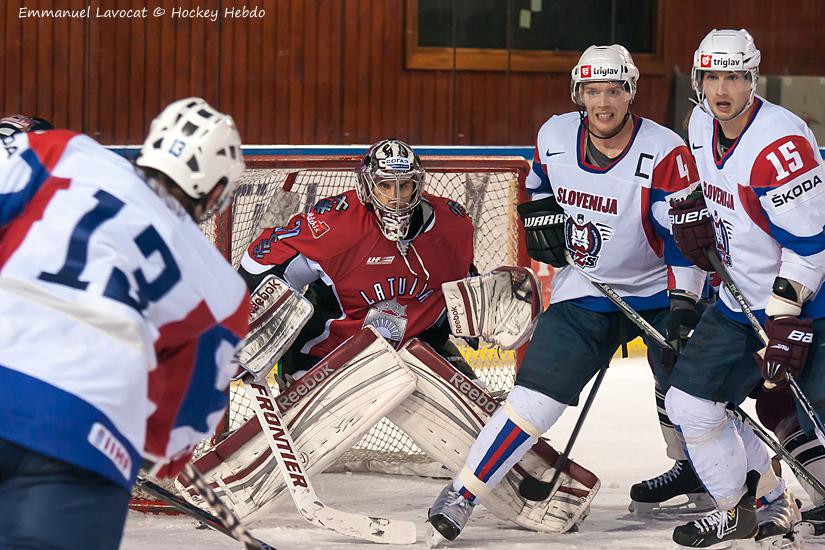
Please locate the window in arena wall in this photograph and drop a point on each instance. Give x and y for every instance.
(529, 35)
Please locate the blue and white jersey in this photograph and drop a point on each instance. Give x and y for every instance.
(767, 200)
(119, 321)
(617, 228)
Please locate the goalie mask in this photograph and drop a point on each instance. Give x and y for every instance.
(391, 181)
(728, 51)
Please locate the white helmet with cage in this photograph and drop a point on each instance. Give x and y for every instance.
(391, 161)
(196, 146)
(604, 64)
(726, 50)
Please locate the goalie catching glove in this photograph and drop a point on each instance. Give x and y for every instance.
(276, 317)
(502, 306)
(544, 230)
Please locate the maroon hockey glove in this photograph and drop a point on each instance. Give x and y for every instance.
(693, 228)
(789, 340)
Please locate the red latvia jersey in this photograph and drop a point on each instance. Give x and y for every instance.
(342, 242)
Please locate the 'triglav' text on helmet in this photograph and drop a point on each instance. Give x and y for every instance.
(725, 50)
(604, 64)
(196, 146)
(391, 161)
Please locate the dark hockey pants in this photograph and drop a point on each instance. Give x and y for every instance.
(46, 504)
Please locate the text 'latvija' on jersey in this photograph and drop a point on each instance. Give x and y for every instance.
(118, 319)
(617, 227)
(767, 199)
(339, 242)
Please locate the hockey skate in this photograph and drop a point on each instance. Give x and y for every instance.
(776, 522)
(812, 523)
(448, 516)
(650, 497)
(721, 528)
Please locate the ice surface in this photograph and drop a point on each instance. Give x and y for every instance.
(620, 442)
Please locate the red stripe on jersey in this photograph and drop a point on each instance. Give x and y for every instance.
(754, 208)
(783, 160)
(656, 243)
(176, 349)
(676, 171)
(49, 146)
(238, 322)
(671, 279)
(16, 231)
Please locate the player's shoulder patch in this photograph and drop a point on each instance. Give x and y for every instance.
(335, 212)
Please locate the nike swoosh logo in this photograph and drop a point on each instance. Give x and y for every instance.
(694, 147)
(549, 154)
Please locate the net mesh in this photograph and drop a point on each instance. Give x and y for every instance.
(272, 189)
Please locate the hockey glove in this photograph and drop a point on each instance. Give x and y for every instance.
(544, 230)
(693, 228)
(789, 341)
(680, 324)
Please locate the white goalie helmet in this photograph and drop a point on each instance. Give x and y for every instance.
(393, 162)
(196, 146)
(726, 50)
(604, 64)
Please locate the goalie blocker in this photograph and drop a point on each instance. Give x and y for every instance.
(277, 315)
(338, 400)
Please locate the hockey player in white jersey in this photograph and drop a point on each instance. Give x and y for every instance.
(761, 209)
(119, 320)
(600, 184)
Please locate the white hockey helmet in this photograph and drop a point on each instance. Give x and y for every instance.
(604, 64)
(196, 146)
(726, 50)
(391, 160)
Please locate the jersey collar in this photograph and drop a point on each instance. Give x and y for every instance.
(581, 155)
(717, 128)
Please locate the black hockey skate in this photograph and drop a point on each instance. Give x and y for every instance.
(719, 527)
(812, 523)
(650, 496)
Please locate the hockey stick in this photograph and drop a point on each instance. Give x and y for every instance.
(803, 400)
(651, 331)
(274, 428)
(798, 469)
(625, 308)
(225, 522)
(537, 490)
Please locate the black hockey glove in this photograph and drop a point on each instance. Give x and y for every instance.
(544, 230)
(680, 323)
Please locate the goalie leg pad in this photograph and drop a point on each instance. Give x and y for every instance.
(328, 410)
(444, 416)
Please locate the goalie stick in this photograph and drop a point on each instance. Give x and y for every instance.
(803, 400)
(375, 529)
(225, 522)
